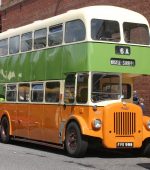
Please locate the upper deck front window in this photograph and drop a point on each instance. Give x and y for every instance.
(105, 30)
(136, 33)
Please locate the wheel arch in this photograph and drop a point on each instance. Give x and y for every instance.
(6, 114)
(145, 149)
(79, 121)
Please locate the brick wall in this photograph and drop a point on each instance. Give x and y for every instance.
(27, 11)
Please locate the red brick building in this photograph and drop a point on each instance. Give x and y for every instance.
(15, 13)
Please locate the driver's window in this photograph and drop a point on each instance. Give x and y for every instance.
(105, 87)
(69, 94)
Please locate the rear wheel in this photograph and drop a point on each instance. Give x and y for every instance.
(4, 131)
(75, 144)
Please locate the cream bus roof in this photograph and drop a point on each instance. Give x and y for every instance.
(112, 13)
(86, 14)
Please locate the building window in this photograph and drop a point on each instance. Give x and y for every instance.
(24, 92)
(3, 47)
(26, 42)
(40, 38)
(37, 92)
(14, 43)
(74, 31)
(11, 93)
(52, 92)
(69, 94)
(55, 35)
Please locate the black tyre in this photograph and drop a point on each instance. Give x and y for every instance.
(4, 131)
(75, 144)
(146, 150)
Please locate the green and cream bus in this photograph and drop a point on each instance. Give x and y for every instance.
(68, 80)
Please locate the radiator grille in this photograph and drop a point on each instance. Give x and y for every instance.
(124, 123)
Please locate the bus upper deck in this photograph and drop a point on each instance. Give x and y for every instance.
(76, 41)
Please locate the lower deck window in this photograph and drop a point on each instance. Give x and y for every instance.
(11, 93)
(52, 92)
(37, 92)
(82, 88)
(24, 92)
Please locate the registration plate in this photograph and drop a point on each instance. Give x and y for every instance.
(122, 62)
(124, 144)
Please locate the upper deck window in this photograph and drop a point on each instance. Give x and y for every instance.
(14, 44)
(3, 47)
(136, 33)
(105, 30)
(40, 37)
(75, 31)
(26, 42)
(55, 35)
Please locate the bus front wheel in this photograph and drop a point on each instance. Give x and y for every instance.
(75, 144)
(146, 149)
(4, 131)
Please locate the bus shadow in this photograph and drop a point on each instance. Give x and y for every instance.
(38, 147)
(109, 153)
(144, 165)
(99, 153)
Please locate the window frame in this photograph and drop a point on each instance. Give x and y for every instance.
(16, 97)
(10, 53)
(34, 39)
(48, 34)
(111, 41)
(79, 98)
(24, 101)
(49, 102)
(33, 90)
(73, 93)
(105, 74)
(84, 27)
(25, 40)
(124, 37)
(7, 45)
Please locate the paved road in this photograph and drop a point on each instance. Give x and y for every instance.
(23, 156)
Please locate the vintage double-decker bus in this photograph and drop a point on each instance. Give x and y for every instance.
(67, 81)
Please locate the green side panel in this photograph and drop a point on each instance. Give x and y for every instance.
(12, 68)
(24, 67)
(75, 58)
(53, 61)
(2, 92)
(100, 55)
(37, 63)
(3, 69)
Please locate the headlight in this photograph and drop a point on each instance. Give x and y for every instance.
(148, 125)
(97, 124)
